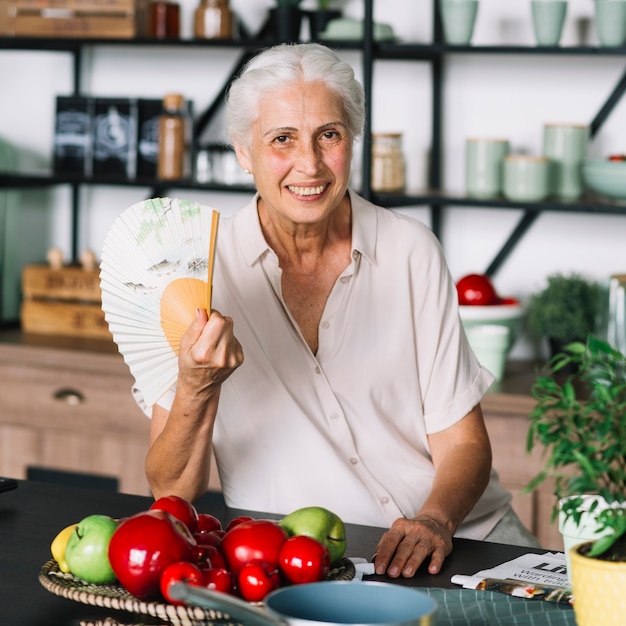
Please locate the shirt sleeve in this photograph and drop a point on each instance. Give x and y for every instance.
(451, 378)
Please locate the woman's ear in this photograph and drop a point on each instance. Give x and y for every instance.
(243, 158)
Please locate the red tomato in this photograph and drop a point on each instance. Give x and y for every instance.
(508, 301)
(237, 520)
(179, 508)
(180, 572)
(303, 559)
(218, 579)
(250, 540)
(476, 289)
(256, 579)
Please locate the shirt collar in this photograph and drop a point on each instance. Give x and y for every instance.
(254, 246)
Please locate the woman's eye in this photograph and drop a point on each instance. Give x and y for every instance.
(281, 139)
(331, 137)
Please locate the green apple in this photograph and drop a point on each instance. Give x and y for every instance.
(87, 550)
(321, 524)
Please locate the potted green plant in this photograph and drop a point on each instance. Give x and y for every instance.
(564, 311)
(286, 20)
(580, 420)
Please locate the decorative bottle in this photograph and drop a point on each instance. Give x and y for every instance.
(172, 138)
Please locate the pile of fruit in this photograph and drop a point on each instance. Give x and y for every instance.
(172, 542)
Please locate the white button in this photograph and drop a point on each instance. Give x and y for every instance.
(354, 460)
(384, 500)
(344, 279)
(317, 370)
(325, 324)
(334, 416)
(355, 254)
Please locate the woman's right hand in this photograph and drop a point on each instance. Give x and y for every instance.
(209, 351)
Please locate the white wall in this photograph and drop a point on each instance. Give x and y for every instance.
(489, 95)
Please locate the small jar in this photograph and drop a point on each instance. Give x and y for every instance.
(388, 167)
(164, 20)
(213, 19)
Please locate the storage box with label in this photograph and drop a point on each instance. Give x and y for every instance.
(72, 135)
(114, 138)
(148, 114)
(65, 301)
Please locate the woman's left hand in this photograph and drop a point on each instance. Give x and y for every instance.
(408, 543)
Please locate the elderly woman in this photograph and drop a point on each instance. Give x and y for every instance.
(358, 391)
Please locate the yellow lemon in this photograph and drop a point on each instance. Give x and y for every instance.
(57, 547)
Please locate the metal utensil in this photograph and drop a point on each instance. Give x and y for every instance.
(322, 604)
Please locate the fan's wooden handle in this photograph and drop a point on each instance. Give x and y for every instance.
(214, 224)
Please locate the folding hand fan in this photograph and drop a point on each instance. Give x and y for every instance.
(156, 270)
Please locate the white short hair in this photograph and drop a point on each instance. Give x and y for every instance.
(285, 64)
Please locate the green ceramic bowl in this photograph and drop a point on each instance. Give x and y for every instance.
(509, 315)
(606, 178)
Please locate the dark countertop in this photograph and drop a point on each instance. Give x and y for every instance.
(32, 514)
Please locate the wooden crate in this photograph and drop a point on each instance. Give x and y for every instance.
(114, 19)
(64, 318)
(85, 6)
(7, 17)
(64, 302)
(68, 283)
(108, 26)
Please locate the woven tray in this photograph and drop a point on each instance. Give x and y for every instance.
(114, 596)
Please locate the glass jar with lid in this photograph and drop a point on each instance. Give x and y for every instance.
(388, 165)
(213, 19)
(164, 19)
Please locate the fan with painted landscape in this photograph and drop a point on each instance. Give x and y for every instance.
(156, 270)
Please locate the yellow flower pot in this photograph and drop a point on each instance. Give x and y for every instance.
(598, 587)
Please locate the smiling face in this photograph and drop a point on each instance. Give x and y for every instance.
(300, 153)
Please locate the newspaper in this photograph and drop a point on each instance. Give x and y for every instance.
(531, 576)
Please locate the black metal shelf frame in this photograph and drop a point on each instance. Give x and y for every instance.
(434, 53)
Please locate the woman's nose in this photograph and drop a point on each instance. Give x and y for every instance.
(309, 157)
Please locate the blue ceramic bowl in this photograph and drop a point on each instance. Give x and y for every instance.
(349, 602)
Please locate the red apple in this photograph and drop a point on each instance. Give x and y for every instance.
(215, 557)
(143, 546)
(179, 508)
(303, 559)
(207, 523)
(209, 556)
(214, 538)
(237, 520)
